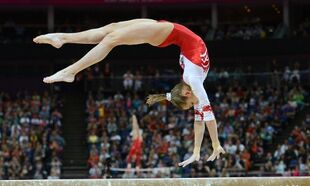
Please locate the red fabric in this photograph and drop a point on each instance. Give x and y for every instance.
(137, 143)
(246, 156)
(199, 114)
(254, 148)
(207, 108)
(191, 45)
(93, 160)
(163, 148)
(136, 149)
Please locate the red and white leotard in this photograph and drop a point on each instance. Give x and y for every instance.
(135, 150)
(195, 62)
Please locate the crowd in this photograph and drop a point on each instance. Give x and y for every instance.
(136, 79)
(291, 158)
(249, 117)
(30, 135)
(152, 78)
(13, 30)
(302, 30)
(244, 32)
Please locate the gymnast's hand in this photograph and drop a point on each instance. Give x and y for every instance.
(194, 157)
(217, 150)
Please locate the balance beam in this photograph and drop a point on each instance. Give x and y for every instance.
(231, 181)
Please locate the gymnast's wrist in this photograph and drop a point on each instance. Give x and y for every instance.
(216, 144)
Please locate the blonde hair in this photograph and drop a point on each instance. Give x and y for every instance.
(176, 96)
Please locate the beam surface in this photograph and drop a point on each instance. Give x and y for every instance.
(240, 181)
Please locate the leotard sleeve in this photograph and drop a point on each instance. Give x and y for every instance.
(194, 76)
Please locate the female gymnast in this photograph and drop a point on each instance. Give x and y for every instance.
(136, 147)
(194, 60)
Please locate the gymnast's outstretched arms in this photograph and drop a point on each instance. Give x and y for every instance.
(195, 77)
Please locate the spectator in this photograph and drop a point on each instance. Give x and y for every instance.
(128, 78)
(138, 81)
(280, 168)
(95, 172)
(33, 139)
(107, 74)
(295, 76)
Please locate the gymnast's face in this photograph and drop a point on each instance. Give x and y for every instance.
(191, 98)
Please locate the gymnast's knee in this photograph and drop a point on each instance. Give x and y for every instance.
(113, 39)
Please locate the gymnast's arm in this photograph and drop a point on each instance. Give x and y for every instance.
(135, 127)
(203, 112)
(199, 130)
(199, 126)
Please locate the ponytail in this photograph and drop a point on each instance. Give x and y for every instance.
(175, 96)
(154, 98)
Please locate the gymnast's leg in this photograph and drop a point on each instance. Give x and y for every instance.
(153, 33)
(92, 36)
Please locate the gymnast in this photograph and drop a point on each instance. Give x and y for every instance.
(136, 147)
(194, 60)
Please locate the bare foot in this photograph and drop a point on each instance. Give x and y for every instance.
(61, 76)
(52, 39)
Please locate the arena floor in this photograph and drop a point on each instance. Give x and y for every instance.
(240, 181)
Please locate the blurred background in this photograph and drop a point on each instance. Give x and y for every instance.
(258, 86)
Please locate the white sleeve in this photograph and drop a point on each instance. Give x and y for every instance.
(194, 76)
(203, 110)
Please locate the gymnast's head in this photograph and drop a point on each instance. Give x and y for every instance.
(180, 96)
